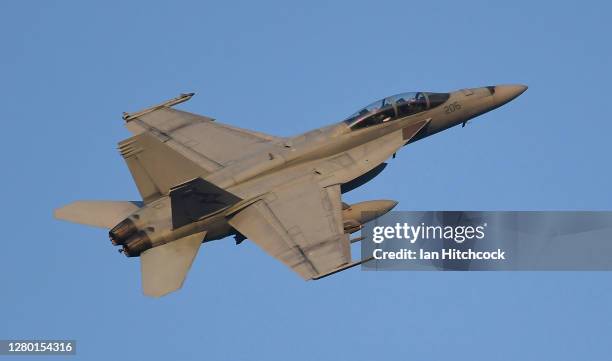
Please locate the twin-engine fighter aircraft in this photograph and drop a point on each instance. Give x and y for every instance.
(201, 180)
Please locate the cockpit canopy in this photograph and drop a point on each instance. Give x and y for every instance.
(394, 107)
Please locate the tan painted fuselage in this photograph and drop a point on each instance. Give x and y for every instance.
(334, 154)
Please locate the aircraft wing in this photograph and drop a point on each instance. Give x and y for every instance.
(170, 147)
(299, 224)
(208, 143)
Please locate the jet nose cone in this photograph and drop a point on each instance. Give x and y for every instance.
(505, 93)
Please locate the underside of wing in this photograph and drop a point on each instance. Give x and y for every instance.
(206, 142)
(170, 147)
(299, 224)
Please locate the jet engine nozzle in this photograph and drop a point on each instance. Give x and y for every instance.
(137, 244)
(120, 233)
(356, 215)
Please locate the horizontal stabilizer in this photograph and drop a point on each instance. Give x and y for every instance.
(194, 199)
(104, 214)
(164, 268)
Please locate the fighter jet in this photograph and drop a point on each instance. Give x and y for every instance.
(201, 180)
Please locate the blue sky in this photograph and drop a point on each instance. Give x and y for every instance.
(69, 68)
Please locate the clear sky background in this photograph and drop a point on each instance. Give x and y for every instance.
(69, 68)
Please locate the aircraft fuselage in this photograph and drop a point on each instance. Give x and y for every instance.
(335, 154)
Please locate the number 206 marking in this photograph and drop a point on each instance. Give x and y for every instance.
(452, 107)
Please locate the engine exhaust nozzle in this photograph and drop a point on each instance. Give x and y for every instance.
(137, 244)
(122, 231)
